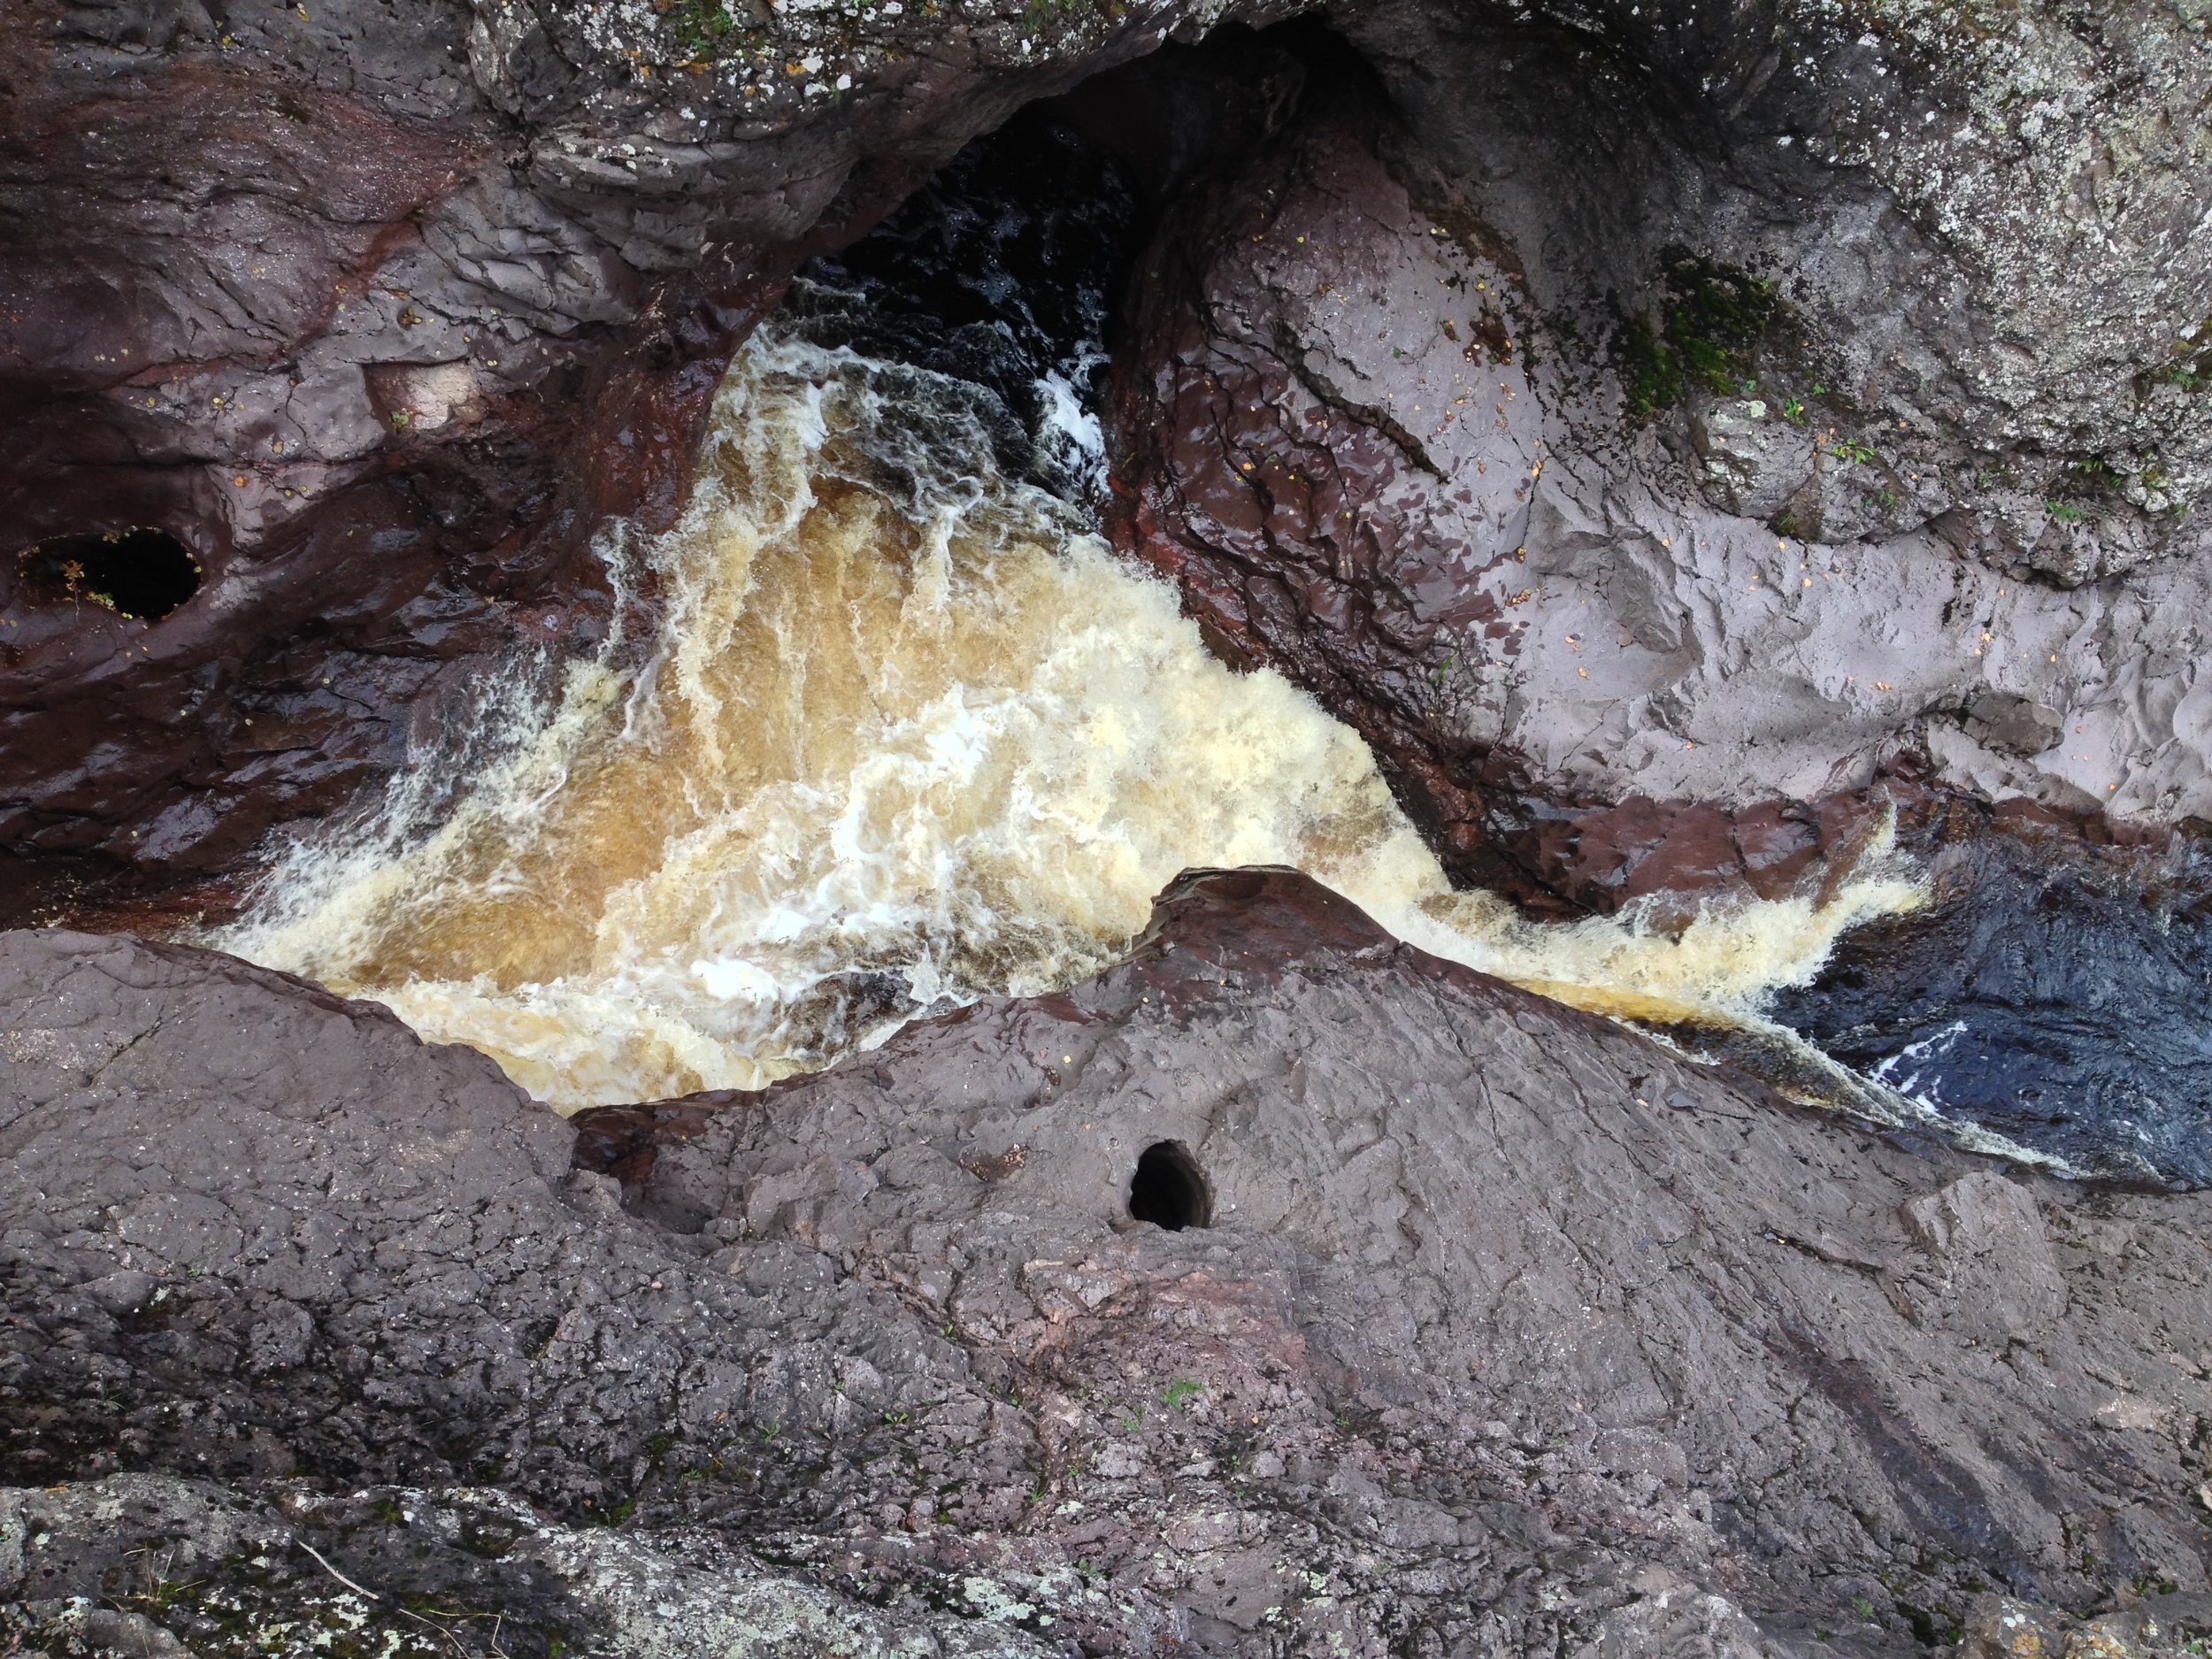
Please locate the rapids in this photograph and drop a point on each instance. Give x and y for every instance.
(896, 732)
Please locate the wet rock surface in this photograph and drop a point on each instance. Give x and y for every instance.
(1510, 1329)
(379, 311)
(1625, 604)
(2052, 990)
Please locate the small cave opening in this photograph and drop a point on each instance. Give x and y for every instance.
(139, 572)
(1015, 268)
(1170, 1190)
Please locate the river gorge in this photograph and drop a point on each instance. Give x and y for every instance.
(872, 829)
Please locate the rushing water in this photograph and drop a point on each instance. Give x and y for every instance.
(2055, 992)
(906, 734)
(883, 727)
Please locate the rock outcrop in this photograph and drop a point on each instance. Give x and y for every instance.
(367, 316)
(1647, 510)
(1487, 1327)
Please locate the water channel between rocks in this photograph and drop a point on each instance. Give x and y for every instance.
(884, 726)
(908, 735)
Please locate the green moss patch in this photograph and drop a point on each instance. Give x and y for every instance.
(2191, 366)
(703, 30)
(1706, 329)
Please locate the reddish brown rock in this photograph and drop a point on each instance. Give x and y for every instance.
(1488, 1316)
(380, 312)
(1332, 436)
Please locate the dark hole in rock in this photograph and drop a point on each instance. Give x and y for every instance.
(1001, 270)
(137, 573)
(1170, 1190)
(998, 273)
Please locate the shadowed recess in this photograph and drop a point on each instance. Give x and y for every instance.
(1170, 1189)
(138, 573)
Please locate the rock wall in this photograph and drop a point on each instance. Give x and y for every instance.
(1509, 1329)
(1645, 483)
(381, 308)
(1982, 240)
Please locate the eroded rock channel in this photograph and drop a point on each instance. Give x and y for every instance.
(1104, 831)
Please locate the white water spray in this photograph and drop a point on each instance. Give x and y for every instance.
(908, 735)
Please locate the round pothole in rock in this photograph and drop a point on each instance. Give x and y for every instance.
(1170, 1190)
(141, 573)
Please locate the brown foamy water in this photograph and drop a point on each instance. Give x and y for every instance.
(904, 735)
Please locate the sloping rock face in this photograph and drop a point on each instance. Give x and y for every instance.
(1491, 1328)
(1936, 200)
(1647, 457)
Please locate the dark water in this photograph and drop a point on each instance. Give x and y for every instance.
(2057, 992)
(1004, 270)
(999, 273)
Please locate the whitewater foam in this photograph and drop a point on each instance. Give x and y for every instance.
(903, 734)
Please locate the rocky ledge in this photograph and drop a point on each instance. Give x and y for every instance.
(1448, 1321)
(1578, 484)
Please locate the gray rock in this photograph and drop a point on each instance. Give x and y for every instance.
(1669, 1617)
(1385, 448)
(1488, 1342)
(125, 1292)
(410, 1572)
(1998, 1279)
(1757, 463)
